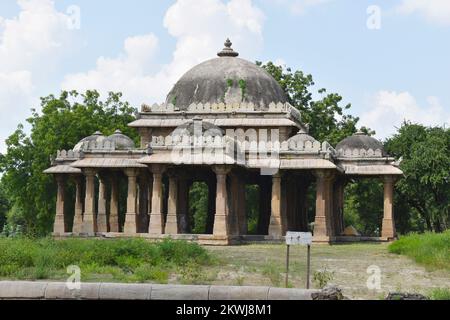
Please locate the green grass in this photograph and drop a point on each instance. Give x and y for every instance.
(430, 249)
(440, 294)
(120, 260)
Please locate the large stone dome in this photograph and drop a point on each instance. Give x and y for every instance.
(226, 79)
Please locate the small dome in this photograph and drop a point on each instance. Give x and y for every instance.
(227, 79)
(361, 142)
(97, 137)
(121, 141)
(299, 141)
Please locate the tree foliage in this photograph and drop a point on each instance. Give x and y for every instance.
(425, 188)
(61, 123)
(4, 207)
(326, 117)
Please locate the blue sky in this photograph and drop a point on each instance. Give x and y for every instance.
(399, 71)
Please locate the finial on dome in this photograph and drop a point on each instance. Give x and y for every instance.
(228, 51)
(360, 133)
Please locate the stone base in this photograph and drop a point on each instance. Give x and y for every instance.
(214, 240)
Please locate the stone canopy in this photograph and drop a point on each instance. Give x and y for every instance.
(227, 123)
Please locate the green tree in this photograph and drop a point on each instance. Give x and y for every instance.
(4, 207)
(425, 188)
(326, 118)
(62, 122)
(364, 206)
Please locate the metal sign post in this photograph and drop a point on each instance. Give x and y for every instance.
(287, 265)
(308, 268)
(299, 238)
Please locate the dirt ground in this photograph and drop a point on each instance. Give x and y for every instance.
(265, 265)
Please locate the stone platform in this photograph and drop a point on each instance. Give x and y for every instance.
(214, 240)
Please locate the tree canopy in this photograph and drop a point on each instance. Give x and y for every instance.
(425, 189)
(62, 122)
(326, 117)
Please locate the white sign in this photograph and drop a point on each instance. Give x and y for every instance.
(298, 238)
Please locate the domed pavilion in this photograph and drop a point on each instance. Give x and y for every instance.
(226, 123)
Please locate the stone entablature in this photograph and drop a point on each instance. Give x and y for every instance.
(222, 109)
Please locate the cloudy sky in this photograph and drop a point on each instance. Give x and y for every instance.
(390, 58)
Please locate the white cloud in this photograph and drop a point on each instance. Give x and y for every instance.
(200, 27)
(298, 7)
(435, 11)
(29, 46)
(389, 109)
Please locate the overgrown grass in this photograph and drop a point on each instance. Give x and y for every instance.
(133, 260)
(440, 294)
(430, 249)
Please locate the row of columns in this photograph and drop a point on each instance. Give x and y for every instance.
(229, 217)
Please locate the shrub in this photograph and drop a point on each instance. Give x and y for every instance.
(429, 249)
(322, 277)
(125, 260)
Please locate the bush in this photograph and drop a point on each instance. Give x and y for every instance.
(430, 249)
(124, 260)
(322, 277)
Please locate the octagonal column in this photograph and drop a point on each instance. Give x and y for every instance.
(59, 224)
(130, 226)
(221, 227)
(89, 219)
(156, 218)
(78, 218)
(102, 223)
(277, 221)
(323, 222)
(172, 211)
(388, 228)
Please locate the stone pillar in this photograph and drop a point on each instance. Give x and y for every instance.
(388, 228)
(130, 226)
(172, 211)
(221, 223)
(59, 225)
(322, 223)
(277, 221)
(156, 218)
(78, 218)
(89, 219)
(114, 205)
(102, 223)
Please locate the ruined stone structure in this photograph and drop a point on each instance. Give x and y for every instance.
(227, 123)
